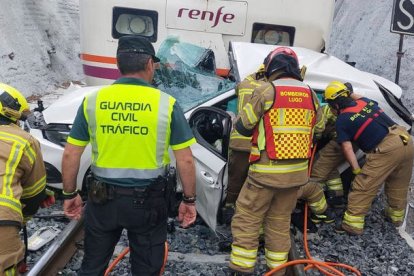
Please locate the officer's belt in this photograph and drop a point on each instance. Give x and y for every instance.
(153, 190)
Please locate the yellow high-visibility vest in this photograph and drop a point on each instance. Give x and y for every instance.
(129, 131)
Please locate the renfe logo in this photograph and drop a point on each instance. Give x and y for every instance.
(207, 15)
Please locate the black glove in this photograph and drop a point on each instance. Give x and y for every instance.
(31, 204)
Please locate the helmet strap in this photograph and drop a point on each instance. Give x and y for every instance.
(342, 102)
(5, 121)
(11, 113)
(303, 72)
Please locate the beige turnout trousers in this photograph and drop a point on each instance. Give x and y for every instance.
(238, 169)
(11, 249)
(391, 163)
(314, 196)
(324, 169)
(257, 205)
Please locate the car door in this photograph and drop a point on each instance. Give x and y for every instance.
(211, 127)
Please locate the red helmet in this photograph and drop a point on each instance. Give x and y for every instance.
(280, 51)
(282, 58)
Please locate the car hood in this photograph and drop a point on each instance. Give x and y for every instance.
(321, 68)
(63, 111)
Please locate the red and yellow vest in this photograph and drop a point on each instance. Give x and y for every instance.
(285, 130)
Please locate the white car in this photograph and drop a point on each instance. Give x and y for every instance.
(205, 99)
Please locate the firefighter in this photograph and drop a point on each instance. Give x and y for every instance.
(324, 170)
(239, 159)
(280, 117)
(131, 125)
(240, 145)
(22, 177)
(389, 156)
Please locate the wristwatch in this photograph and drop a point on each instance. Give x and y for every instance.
(189, 199)
(69, 195)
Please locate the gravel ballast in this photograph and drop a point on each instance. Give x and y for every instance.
(196, 251)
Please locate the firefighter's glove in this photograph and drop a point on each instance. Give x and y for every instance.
(49, 200)
(404, 139)
(357, 171)
(187, 214)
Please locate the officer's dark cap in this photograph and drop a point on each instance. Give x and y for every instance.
(136, 44)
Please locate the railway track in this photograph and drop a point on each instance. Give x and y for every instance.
(60, 251)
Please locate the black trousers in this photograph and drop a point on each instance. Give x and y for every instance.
(146, 225)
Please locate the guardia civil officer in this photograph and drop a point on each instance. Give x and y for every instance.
(130, 126)
(22, 178)
(280, 116)
(389, 156)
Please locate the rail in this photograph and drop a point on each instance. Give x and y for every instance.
(60, 251)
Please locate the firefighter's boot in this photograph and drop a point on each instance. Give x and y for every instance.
(327, 217)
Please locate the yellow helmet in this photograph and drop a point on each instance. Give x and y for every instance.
(12, 103)
(336, 89)
(260, 73)
(261, 69)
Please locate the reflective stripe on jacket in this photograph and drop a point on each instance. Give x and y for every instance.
(285, 130)
(329, 120)
(22, 171)
(133, 121)
(244, 92)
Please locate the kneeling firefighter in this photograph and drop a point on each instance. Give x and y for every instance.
(281, 116)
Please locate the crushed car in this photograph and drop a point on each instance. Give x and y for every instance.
(187, 73)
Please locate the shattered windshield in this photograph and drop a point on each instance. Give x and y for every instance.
(187, 72)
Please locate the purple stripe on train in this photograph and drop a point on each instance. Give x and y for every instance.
(100, 72)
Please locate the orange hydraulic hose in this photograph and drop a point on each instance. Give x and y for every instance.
(165, 258)
(305, 241)
(305, 233)
(331, 271)
(126, 251)
(313, 263)
(116, 261)
(311, 159)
